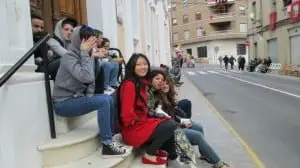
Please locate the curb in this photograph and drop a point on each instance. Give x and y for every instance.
(245, 145)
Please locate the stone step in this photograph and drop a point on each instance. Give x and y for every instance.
(96, 160)
(76, 144)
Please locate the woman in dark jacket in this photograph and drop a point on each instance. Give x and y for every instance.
(193, 131)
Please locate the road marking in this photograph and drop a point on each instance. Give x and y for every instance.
(202, 72)
(191, 73)
(235, 71)
(224, 71)
(263, 86)
(246, 146)
(214, 72)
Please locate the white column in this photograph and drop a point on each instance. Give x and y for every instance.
(148, 39)
(16, 33)
(128, 30)
(135, 15)
(102, 16)
(110, 25)
(94, 14)
(161, 33)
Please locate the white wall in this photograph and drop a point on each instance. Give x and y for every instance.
(16, 33)
(226, 47)
(23, 121)
(94, 7)
(102, 15)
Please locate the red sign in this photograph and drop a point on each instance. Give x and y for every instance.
(294, 11)
(273, 20)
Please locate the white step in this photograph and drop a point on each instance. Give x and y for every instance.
(76, 144)
(66, 124)
(96, 161)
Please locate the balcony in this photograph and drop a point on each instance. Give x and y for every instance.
(222, 18)
(214, 3)
(214, 35)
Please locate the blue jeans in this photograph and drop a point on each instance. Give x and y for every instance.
(105, 106)
(111, 70)
(196, 137)
(186, 106)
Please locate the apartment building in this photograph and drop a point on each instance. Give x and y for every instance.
(131, 25)
(274, 30)
(208, 29)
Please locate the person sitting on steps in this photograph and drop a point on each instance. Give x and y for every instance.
(74, 88)
(138, 128)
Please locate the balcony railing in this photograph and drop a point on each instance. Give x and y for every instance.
(214, 35)
(219, 2)
(223, 15)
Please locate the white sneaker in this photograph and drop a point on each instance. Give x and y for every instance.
(109, 90)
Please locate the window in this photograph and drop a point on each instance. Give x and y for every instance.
(174, 21)
(189, 51)
(254, 9)
(174, 7)
(243, 28)
(242, 10)
(241, 49)
(287, 2)
(185, 3)
(198, 16)
(185, 19)
(202, 52)
(200, 32)
(186, 35)
(175, 37)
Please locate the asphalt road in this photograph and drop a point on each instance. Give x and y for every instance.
(263, 109)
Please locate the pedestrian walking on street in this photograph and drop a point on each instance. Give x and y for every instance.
(231, 61)
(226, 60)
(242, 63)
(221, 61)
(239, 62)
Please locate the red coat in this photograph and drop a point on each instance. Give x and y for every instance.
(136, 127)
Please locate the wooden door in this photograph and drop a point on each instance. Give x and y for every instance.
(43, 8)
(54, 10)
(70, 8)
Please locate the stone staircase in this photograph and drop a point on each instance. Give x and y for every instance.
(77, 146)
(25, 126)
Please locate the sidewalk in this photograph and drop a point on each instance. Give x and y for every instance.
(226, 142)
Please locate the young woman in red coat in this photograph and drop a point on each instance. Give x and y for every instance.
(138, 128)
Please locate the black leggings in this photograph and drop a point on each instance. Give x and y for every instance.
(163, 138)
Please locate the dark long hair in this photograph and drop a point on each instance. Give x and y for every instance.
(137, 80)
(154, 73)
(167, 100)
(172, 93)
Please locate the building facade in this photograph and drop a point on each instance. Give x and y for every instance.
(131, 25)
(210, 28)
(274, 30)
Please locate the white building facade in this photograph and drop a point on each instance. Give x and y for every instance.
(131, 25)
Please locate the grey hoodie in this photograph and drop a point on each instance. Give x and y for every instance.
(76, 75)
(55, 46)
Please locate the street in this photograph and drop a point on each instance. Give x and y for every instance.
(263, 109)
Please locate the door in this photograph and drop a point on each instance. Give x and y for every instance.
(272, 48)
(295, 50)
(69, 8)
(54, 10)
(202, 52)
(43, 8)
